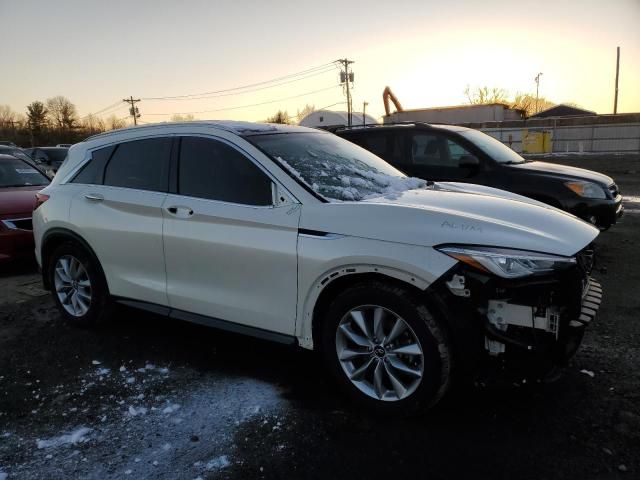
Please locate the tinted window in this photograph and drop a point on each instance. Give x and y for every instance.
(93, 172)
(141, 164)
(429, 149)
(213, 170)
(56, 155)
(386, 145)
(456, 152)
(16, 173)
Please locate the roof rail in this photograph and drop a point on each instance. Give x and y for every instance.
(379, 125)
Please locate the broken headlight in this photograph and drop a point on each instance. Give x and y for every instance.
(507, 263)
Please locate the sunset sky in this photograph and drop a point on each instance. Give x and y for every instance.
(96, 53)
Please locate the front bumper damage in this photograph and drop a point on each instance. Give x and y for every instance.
(528, 326)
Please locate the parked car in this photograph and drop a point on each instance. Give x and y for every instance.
(298, 236)
(19, 183)
(50, 158)
(451, 153)
(7, 143)
(16, 152)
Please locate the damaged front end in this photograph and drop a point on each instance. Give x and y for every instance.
(525, 311)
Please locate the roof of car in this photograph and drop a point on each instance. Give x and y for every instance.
(237, 127)
(403, 125)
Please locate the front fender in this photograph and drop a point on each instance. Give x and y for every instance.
(322, 260)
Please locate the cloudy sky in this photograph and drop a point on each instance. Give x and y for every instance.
(97, 52)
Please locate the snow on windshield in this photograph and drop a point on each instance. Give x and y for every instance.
(335, 168)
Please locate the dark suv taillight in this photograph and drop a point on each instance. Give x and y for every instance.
(40, 199)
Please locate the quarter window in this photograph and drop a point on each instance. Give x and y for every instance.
(93, 172)
(214, 170)
(140, 164)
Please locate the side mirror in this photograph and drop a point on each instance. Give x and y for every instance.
(469, 161)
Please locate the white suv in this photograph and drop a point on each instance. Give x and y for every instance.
(297, 236)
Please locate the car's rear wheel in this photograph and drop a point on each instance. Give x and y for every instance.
(386, 350)
(78, 285)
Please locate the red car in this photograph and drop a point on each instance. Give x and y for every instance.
(19, 183)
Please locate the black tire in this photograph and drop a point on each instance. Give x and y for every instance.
(100, 305)
(429, 331)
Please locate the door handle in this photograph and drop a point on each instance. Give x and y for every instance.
(180, 212)
(94, 197)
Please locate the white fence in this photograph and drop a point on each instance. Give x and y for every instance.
(598, 138)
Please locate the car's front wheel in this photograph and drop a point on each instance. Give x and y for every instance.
(386, 349)
(78, 285)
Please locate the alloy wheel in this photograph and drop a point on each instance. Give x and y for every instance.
(73, 286)
(379, 352)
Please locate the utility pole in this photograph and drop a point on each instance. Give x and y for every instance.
(364, 110)
(615, 98)
(537, 79)
(133, 110)
(346, 77)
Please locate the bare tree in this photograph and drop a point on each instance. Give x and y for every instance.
(62, 112)
(281, 116)
(182, 118)
(93, 124)
(7, 116)
(486, 95)
(114, 123)
(527, 102)
(306, 110)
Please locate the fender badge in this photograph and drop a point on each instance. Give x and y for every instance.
(461, 226)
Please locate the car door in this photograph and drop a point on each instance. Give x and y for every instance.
(118, 211)
(230, 250)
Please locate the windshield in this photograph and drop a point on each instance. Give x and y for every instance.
(333, 167)
(56, 155)
(497, 150)
(16, 173)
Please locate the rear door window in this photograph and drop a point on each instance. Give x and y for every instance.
(431, 149)
(140, 164)
(213, 170)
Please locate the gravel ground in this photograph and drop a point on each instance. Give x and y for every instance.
(145, 397)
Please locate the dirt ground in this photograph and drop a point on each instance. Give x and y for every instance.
(146, 397)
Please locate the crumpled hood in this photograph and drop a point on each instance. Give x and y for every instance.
(439, 215)
(564, 170)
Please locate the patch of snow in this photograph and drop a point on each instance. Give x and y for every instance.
(131, 380)
(218, 463)
(96, 362)
(171, 408)
(103, 371)
(588, 372)
(349, 182)
(3, 475)
(133, 411)
(77, 436)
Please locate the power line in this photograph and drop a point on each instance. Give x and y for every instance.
(103, 110)
(247, 106)
(322, 72)
(265, 82)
